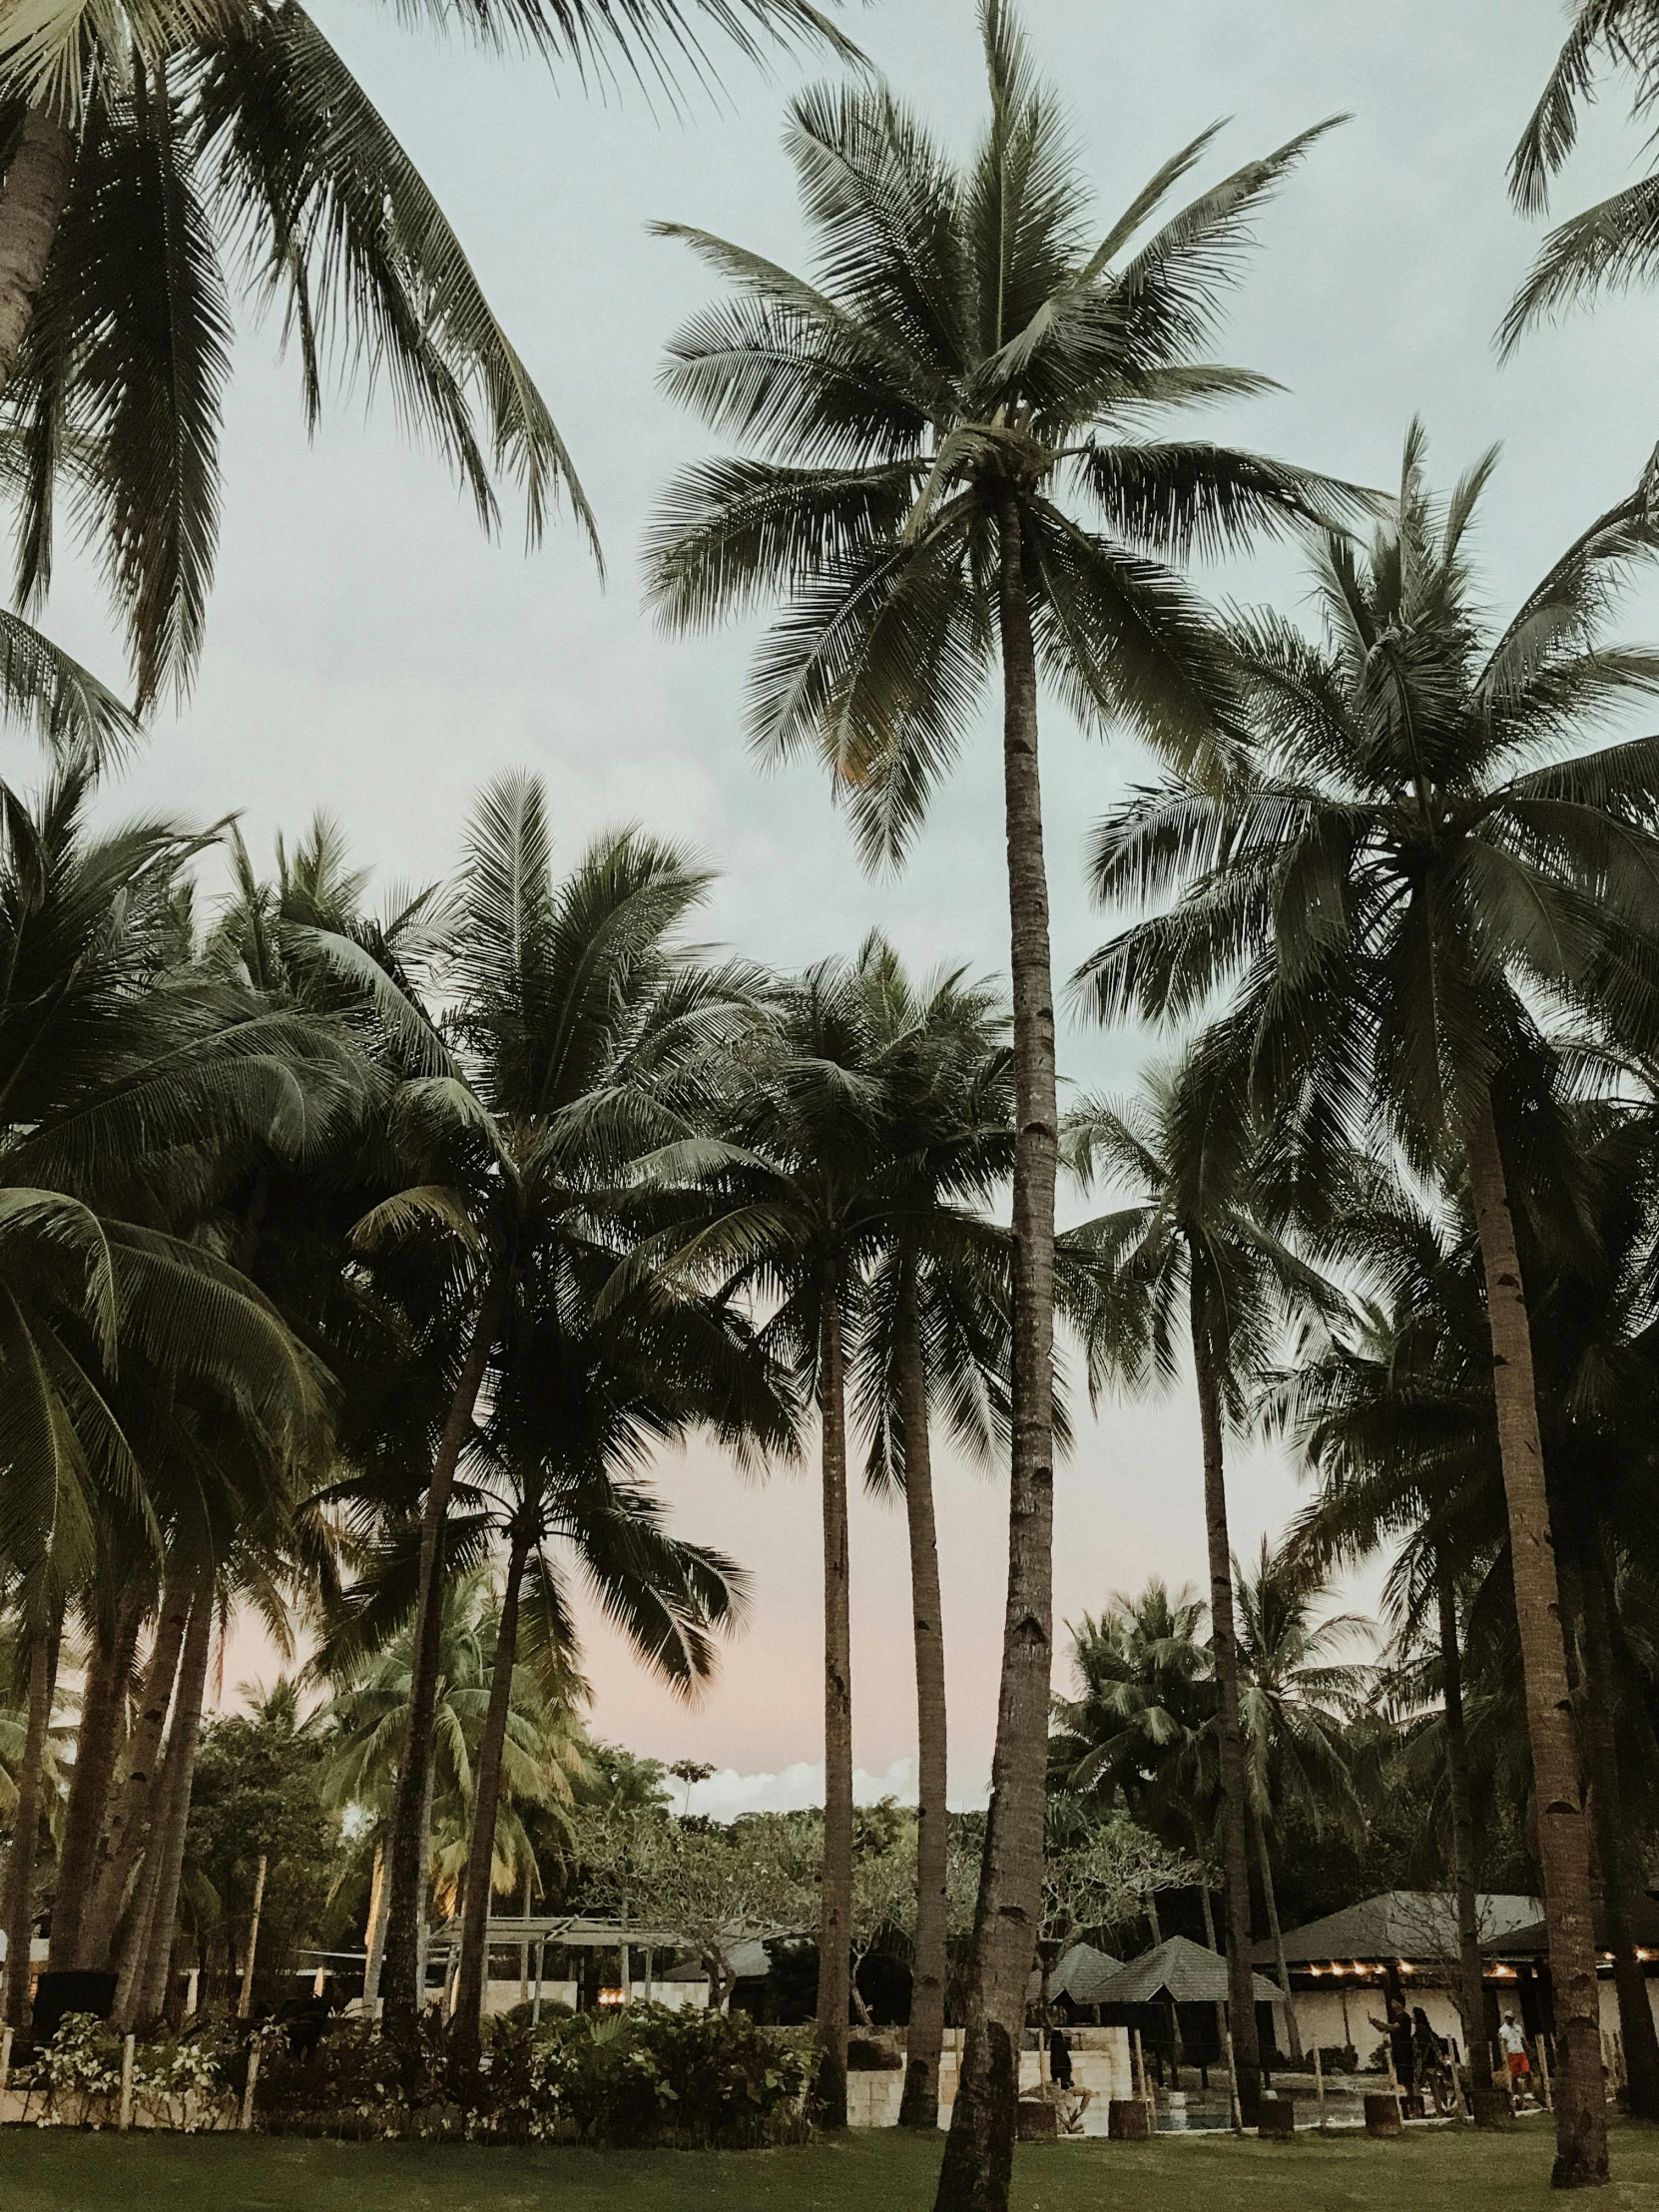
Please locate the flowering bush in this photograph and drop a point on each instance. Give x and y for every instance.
(186, 2081)
(77, 2074)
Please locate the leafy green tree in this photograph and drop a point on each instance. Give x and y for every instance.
(1393, 890)
(949, 465)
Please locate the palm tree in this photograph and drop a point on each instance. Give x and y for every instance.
(1394, 1411)
(1393, 890)
(155, 146)
(1612, 245)
(951, 465)
(935, 1342)
(585, 1037)
(540, 1757)
(790, 1209)
(1205, 1230)
(1296, 1694)
(593, 1380)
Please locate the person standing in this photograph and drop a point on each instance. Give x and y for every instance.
(1511, 2039)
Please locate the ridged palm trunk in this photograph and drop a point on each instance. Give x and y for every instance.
(407, 1879)
(835, 1932)
(140, 1992)
(33, 196)
(919, 2107)
(20, 1860)
(1235, 1786)
(1641, 2045)
(128, 1831)
(979, 2151)
(1270, 1897)
(1471, 1988)
(466, 2030)
(97, 1747)
(1563, 1829)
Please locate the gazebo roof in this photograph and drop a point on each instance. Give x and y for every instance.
(1082, 1974)
(1182, 1969)
(1400, 1924)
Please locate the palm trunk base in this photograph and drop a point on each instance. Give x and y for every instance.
(979, 2150)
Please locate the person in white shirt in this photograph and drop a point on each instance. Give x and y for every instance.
(1511, 2039)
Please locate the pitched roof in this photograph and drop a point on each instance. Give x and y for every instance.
(1400, 1924)
(1532, 1941)
(1178, 1969)
(1082, 1973)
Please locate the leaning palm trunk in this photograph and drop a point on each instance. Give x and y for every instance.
(835, 1934)
(129, 1827)
(1641, 2045)
(32, 201)
(1234, 1787)
(466, 2029)
(1563, 1835)
(919, 2107)
(97, 1744)
(978, 2159)
(1471, 1990)
(406, 1881)
(1293, 2026)
(20, 1861)
(142, 1991)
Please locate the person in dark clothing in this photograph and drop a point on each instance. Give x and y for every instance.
(1399, 2030)
(1059, 2054)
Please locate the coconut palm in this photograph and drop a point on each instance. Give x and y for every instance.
(1204, 1231)
(1392, 888)
(1296, 1693)
(583, 1035)
(160, 150)
(790, 1207)
(1612, 245)
(950, 464)
(934, 1345)
(593, 1380)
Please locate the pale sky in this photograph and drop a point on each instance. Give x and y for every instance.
(370, 652)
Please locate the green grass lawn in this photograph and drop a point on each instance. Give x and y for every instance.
(1440, 2170)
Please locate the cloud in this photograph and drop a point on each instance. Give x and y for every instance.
(796, 1788)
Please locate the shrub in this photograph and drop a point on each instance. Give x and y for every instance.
(640, 2076)
(1339, 2058)
(77, 2074)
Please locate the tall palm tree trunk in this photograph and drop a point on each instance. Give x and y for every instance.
(466, 2029)
(919, 2107)
(407, 1844)
(1564, 1831)
(978, 2158)
(142, 1989)
(834, 1933)
(20, 1860)
(129, 1827)
(32, 201)
(1293, 2026)
(1641, 2045)
(1235, 1786)
(1471, 1988)
(97, 1746)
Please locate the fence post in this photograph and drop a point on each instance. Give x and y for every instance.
(1319, 2084)
(127, 2051)
(247, 2093)
(1543, 2072)
(1233, 2081)
(5, 2061)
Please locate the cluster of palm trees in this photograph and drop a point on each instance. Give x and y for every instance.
(339, 1245)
